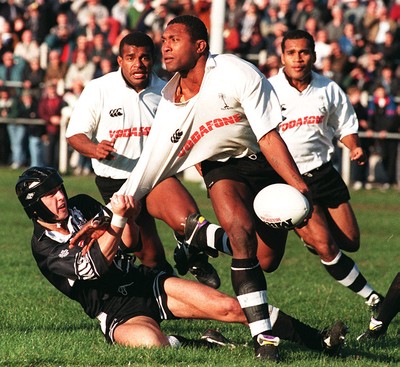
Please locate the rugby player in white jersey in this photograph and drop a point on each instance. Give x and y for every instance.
(316, 110)
(110, 124)
(221, 111)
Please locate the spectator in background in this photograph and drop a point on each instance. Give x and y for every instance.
(322, 48)
(28, 108)
(83, 9)
(27, 48)
(49, 109)
(326, 68)
(380, 26)
(8, 38)
(335, 26)
(388, 81)
(305, 9)
(16, 132)
(311, 26)
(100, 50)
(4, 139)
(382, 118)
(82, 69)
(354, 11)
(90, 29)
(10, 10)
(62, 38)
(360, 172)
(105, 67)
(357, 78)
(79, 163)
(348, 41)
(81, 44)
(339, 62)
(233, 16)
(33, 77)
(11, 70)
(119, 12)
(250, 22)
(390, 49)
(56, 71)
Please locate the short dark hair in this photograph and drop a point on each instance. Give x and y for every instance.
(196, 28)
(298, 34)
(138, 39)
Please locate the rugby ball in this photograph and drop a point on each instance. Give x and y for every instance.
(281, 206)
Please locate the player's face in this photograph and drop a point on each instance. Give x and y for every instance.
(179, 51)
(298, 60)
(56, 202)
(136, 64)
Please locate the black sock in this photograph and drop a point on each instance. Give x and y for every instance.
(251, 290)
(291, 329)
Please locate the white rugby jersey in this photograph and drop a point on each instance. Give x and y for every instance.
(235, 107)
(109, 108)
(312, 118)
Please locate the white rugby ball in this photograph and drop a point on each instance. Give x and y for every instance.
(281, 206)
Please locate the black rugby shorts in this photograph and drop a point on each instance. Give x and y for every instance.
(152, 303)
(254, 170)
(327, 186)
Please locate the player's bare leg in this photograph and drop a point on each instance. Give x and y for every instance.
(192, 300)
(232, 205)
(271, 246)
(344, 227)
(140, 331)
(171, 202)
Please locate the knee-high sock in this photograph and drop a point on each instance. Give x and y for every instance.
(391, 305)
(346, 272)
(291, 329)
(212, 236)
(251, 290)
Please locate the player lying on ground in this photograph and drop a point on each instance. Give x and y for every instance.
(129, 301)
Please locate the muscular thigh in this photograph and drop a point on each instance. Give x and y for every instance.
(171, 202)
(271, 246)
(344, 227)
(232, 203)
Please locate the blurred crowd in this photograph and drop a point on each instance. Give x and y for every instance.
(49, 50)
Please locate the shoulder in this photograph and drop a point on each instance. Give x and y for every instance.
(230, 62)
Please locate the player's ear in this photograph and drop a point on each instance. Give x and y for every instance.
(201, 46)
(119, 60)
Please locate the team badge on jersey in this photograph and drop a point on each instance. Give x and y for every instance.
(115, 112)
(176, 136)
(222, 97)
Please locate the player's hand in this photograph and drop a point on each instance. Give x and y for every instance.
(90, 232)
(125, 206)
(357, 154)
(307, 194)
(105, 150)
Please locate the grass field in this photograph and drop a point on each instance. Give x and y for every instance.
(41, 327)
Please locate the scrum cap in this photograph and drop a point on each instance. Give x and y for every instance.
(32, 185)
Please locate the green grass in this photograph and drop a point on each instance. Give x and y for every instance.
(41, 327)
